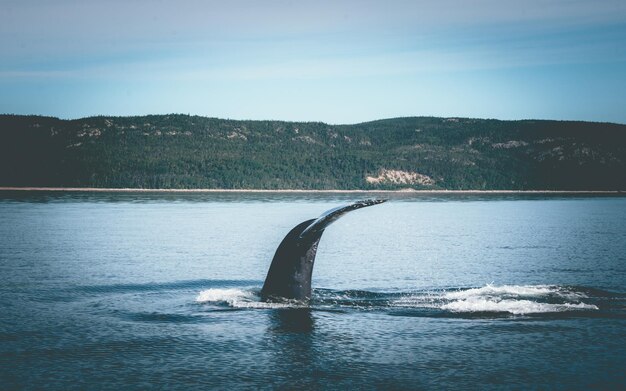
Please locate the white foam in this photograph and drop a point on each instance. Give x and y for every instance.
(513, 291)
(239, 298)
(510, 290)
(514, 299)
(228, 296)
(415, 301)
(517, 307)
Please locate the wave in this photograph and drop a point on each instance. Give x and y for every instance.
(241, 298)
(507, 299)
(516, 307)
(158, 287)
(513, 299)
(510, 290)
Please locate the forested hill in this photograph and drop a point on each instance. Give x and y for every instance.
(181, 151)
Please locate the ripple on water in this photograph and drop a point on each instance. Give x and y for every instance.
(505, 299)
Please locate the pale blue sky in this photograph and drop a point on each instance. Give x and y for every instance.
(332, 61)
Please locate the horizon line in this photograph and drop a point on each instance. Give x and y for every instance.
(312, 121)
(329, 191)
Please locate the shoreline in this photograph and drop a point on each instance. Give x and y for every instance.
(300, 191)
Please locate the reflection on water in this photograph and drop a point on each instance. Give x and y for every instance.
(294, 357)
(291, 320)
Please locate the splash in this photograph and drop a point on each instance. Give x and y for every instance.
(528, 291)
(516, 307)
(230, 296)
(240, 298)
(513, 299)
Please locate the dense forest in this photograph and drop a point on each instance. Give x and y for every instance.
(182, 151)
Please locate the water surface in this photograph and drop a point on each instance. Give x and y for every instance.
(135, 291)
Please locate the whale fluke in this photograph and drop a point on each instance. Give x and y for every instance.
(289, 276)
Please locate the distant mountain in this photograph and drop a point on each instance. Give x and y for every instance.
(181, 151)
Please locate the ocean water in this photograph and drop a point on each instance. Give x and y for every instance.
(136, 291)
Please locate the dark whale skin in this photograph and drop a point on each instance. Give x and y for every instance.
(289, 275)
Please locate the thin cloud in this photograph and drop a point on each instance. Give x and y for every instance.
(194, 53)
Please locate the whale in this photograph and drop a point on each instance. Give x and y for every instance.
(289, 275)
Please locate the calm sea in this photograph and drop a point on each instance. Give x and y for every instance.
(136, 291)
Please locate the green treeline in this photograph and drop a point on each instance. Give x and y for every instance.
(181, 151)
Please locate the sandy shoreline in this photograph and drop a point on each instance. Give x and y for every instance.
(296, 191)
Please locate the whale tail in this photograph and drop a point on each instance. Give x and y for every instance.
(289, 276)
